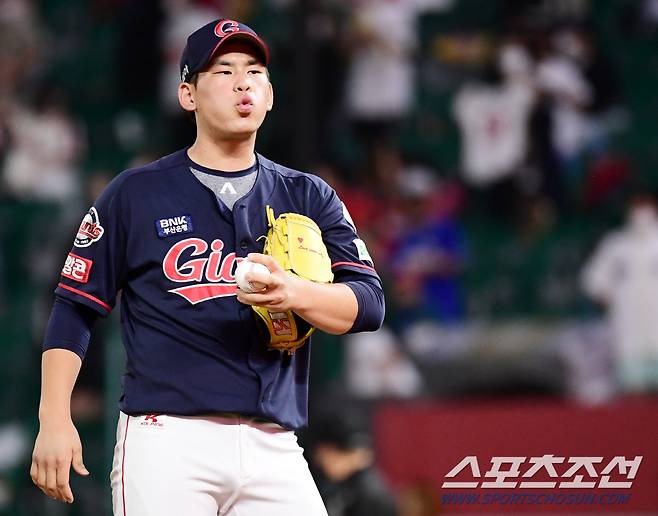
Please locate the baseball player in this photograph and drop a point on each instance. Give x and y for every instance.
(212, 391)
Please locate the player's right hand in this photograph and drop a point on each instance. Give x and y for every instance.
(57, 447)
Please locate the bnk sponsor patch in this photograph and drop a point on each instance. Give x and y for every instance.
(90, 229)
(77, 268)
(174, 226)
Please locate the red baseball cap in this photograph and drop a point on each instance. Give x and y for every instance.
(203, 43)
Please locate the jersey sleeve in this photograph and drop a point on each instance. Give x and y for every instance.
(346, 250)
(93, 271)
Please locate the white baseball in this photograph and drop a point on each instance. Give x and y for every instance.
(243, 268)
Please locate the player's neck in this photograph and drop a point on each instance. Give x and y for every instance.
(227, 155)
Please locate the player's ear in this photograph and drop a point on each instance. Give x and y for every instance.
(186, 96)
(270, 97)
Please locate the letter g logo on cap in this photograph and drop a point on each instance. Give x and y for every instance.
(225, 27)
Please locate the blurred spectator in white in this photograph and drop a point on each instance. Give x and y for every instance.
(376, 367)
(381, 81)
(561, 78)
(493, 119)
(623, 276)
(604, 114)
(46, 146)
(580, 108)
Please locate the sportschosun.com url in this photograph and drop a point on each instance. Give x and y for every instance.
(534, 498)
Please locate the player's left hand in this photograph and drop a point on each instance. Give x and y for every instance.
(281, 287)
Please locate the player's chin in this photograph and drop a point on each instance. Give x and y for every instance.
(243, 130)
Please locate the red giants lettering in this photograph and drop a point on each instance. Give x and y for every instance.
(217, 271)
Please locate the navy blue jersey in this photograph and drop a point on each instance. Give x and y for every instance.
(165, 241)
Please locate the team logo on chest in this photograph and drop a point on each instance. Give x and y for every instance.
(211, 276)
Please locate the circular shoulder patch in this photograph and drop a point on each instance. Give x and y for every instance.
(90, 230)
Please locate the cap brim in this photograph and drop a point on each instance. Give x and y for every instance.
(255, 41)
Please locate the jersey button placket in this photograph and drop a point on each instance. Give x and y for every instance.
(244, 242)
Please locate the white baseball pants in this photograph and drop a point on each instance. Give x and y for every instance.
(209, 466)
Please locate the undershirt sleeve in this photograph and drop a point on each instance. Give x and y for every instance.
(369, 297)
(69, 326)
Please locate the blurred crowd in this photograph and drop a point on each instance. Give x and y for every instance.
(487, 166)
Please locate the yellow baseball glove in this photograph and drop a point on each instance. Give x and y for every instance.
(295, 242)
